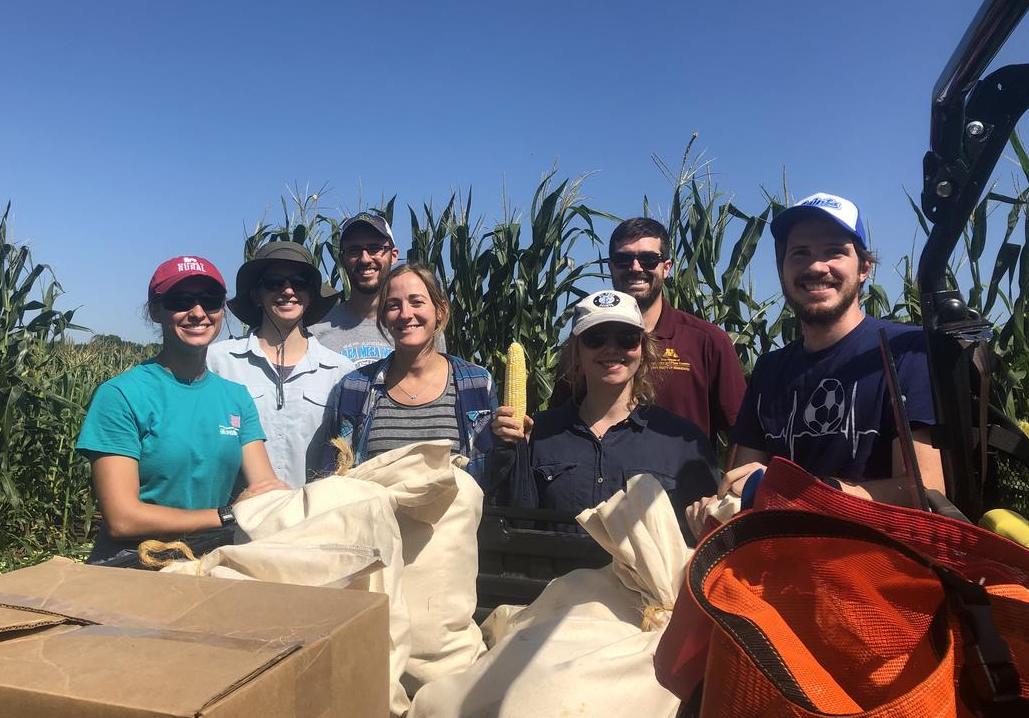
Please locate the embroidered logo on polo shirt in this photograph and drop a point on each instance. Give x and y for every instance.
(232, 429)
(670, 361)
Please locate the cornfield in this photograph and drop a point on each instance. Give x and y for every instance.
(513, 280)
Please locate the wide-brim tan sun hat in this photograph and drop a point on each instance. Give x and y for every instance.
(323, 297)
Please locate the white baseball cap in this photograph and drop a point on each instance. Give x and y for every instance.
(603, 307)
(842, 211)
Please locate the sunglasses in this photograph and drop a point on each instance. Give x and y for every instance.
(625, 339)
(647, 260)
(184, 301)
(277, 282)
(356, 251)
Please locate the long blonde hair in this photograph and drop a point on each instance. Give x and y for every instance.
(570, 370)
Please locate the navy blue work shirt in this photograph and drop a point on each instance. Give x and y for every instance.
(572, 469)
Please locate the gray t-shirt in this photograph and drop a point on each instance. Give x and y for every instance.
(353, 336)
(356, 337)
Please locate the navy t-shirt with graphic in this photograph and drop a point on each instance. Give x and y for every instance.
(829, 411)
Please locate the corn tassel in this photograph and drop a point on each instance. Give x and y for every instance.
(514, 380)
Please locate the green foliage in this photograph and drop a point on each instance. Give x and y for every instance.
(46, 505)
(700, 222)
(503, 290)
(512, 280)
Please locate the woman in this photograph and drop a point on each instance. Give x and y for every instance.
(167, 439)
(416, 393)
(582, 452)
(287, 372)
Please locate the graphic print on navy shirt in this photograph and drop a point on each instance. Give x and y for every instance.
(830, 410)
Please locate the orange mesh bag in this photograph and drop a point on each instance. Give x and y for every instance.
(816, 616)
(976, 554)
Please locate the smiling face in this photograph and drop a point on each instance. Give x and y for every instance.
(195, 326)
(821, 271)
(283, 292)
(408, 313)
(609, 353)
(367, 258)
(633, 278)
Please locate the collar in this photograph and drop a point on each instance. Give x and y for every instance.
(638, 416)
(250, 349)
(665, 327)
(568, 415)
(379, 380)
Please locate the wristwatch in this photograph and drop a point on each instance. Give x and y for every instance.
(227, 516)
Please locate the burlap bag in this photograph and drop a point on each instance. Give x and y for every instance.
(586, 645)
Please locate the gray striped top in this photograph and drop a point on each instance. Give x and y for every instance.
(396, 425)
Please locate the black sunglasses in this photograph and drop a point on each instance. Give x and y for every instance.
(277, 282)
(626, 339)
(184, 301)
(647, 260)
(356, 251)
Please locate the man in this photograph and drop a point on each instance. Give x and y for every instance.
(698, 373)
(367, 252)
(822, 401)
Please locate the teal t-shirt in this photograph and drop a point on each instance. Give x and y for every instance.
(187, 438)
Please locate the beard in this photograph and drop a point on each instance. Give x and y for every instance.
(369, 287)
(825, 315)
(366, 288)
(644, 296)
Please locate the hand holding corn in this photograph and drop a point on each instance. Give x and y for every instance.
(511, 422)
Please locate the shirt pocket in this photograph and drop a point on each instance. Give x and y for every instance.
(562, 488)
(318, 398)
(264, 400)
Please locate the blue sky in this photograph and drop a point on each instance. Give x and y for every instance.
(133, 131)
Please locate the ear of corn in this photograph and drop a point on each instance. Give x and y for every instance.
(514, 380)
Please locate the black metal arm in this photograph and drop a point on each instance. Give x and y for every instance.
(972, 120)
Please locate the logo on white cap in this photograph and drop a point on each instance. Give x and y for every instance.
(606, 299)
(822, 200)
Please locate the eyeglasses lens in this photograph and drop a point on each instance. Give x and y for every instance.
(184, 301)
(275, 283)
(647, 260)
(625, 340)
(357, 251)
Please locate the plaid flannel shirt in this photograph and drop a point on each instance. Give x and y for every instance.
(356, 396)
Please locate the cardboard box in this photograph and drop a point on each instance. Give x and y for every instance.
(86, 641)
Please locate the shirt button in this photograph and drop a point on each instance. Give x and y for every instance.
(600, 479)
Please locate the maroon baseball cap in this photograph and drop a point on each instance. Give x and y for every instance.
(172, 271)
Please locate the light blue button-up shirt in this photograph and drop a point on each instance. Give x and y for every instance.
(297, 432)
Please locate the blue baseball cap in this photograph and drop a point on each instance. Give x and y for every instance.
(842, 211)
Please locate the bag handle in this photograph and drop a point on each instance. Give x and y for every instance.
(989, 678)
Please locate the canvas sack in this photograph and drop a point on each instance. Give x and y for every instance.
(586, 645)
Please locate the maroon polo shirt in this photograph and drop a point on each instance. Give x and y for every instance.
(698, 373)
